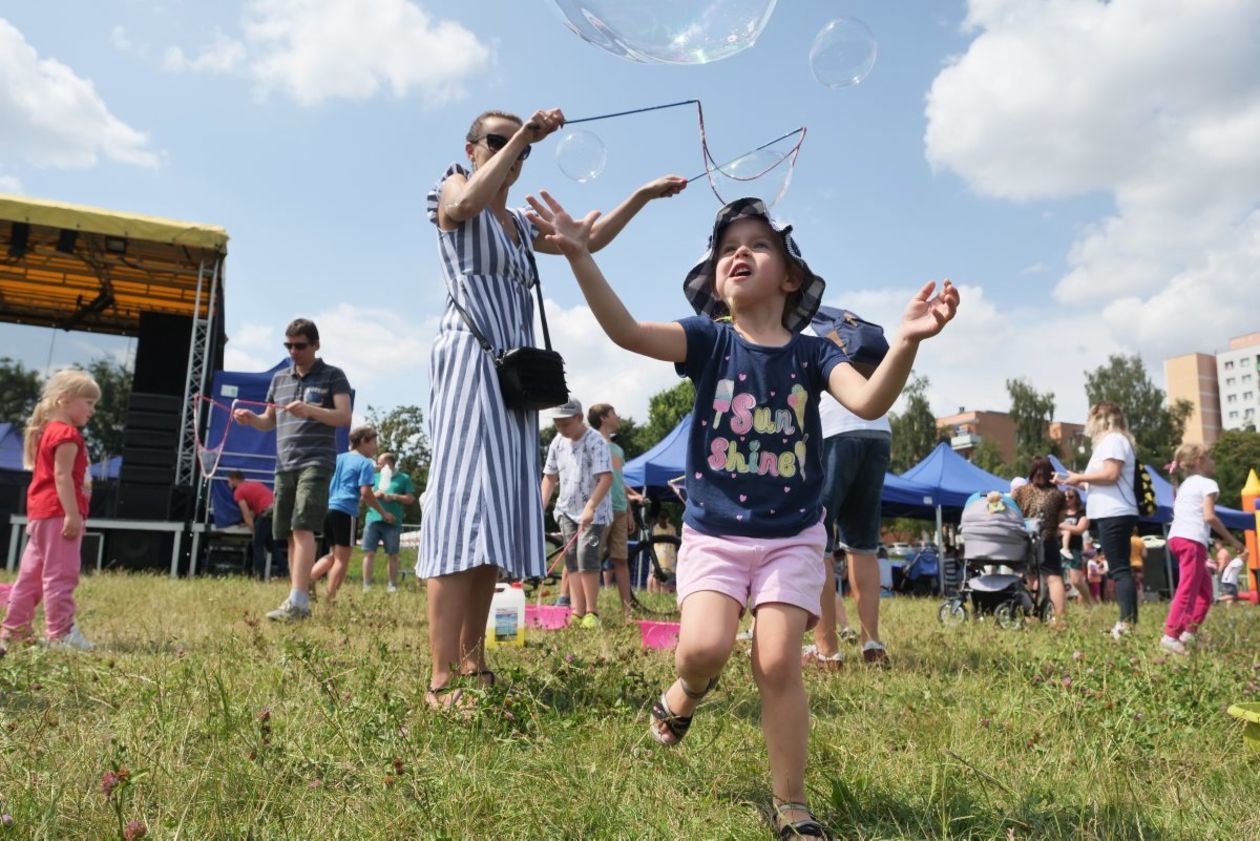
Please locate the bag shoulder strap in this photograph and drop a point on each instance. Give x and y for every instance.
(535, 281)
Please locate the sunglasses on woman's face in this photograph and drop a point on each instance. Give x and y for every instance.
(495, 142)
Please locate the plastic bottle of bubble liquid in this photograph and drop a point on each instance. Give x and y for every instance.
(506, 623)
(387, 478)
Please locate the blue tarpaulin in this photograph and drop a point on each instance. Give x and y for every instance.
(11, 455)
(951, 478)
(247, 450)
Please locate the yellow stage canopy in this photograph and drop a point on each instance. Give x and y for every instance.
(84, 268)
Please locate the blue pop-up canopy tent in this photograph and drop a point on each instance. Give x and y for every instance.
(663, 463)
(247, 450)
(11, 455)
(1232, 518)
(951, 478)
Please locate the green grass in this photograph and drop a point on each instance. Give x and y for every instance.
(234, 728)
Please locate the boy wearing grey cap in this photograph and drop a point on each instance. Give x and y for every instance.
(580, 465)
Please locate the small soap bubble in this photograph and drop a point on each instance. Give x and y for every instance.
(580, 155)
(843, 54)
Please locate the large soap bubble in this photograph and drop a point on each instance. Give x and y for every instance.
(668, 31)
(844, 53)
(580, 155)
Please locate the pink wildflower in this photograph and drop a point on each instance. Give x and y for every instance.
(135, 830)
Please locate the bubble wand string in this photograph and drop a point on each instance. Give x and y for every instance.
(710, 163)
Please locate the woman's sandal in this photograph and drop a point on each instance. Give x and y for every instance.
(437, 701)
(675, 725)
(486, 676)
(807, 827)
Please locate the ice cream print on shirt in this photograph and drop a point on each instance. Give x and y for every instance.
(743, 416)
(754, 461)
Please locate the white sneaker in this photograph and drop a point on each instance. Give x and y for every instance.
(392, 588)
(744, 636)
(72, 639)
(1188, 638)
(1066, 554)
(1119, 630)
(1172, 645)
(289, 612)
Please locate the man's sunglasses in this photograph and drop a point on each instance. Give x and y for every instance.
(495, 142)
(296, 345)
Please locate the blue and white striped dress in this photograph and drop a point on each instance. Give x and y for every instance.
(481, 505)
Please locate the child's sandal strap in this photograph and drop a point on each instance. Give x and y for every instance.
(677, 725)
(696, 696)
(808, 827)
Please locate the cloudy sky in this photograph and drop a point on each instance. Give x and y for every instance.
(1085, 171)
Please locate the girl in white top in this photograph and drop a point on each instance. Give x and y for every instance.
(1194, 519)
(1112, 505)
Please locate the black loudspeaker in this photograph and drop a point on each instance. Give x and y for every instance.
(150, 450)
(138, 550)
(162, 354)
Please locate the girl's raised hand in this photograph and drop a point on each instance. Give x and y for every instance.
(571, 236)
(542, 123)
(925, 316)
(664, 187)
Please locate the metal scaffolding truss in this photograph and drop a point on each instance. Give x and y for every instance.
(201, 347)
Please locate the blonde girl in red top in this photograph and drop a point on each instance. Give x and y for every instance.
(56, 505)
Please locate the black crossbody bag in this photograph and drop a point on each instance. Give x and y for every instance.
(530, 378)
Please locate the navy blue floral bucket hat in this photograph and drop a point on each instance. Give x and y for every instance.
(699, 285)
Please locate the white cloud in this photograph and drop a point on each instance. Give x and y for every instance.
(49, 116)
(969, 363)
(312, 50)
(1153, 102)
(122, 41)
(596, 370)
(384, 355)
(10, 184)
(222, 55)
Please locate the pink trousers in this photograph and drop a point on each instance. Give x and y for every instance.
(1194, 589)
(49, 572)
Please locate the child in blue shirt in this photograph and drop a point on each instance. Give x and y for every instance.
(753, 530)
(352, 482)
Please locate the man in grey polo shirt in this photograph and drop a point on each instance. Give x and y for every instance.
(313, 399)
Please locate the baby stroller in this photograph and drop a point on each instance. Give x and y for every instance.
(1001, 549)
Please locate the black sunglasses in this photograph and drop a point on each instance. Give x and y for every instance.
(495, 142)
(296, 345)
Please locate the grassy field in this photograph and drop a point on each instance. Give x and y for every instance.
(229, 727)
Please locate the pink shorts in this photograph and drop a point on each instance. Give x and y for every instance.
(755, 570)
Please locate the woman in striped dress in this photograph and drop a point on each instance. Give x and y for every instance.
(481, 510)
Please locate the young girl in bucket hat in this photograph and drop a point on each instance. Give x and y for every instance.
(753, 530)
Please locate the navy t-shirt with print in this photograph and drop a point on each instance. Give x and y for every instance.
(754, 458)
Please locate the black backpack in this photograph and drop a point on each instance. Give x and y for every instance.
(1143, 489)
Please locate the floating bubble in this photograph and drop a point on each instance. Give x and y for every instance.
(668, 31)
(843, 54)
(581, 156)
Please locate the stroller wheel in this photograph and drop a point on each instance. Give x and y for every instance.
(1046, 612)
(1010, 615)
(952, 613)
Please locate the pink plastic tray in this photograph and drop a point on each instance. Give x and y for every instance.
(547, 617)
(658, 634)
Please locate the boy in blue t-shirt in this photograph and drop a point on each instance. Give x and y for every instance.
(351, 483)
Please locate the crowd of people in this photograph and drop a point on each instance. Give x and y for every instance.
(786, 460)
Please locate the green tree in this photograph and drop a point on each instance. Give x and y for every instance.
(665, 410)
(988, 457)
(1236, 452)
(914, 431)
(401, 431)
(105, 431)
(1156, 427)
(631, 437)
(1031, 412)
(19, 391)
